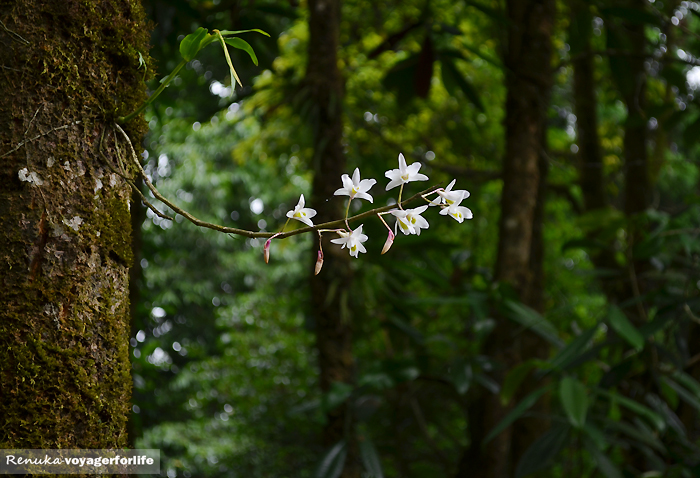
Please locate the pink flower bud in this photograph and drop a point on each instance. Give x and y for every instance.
(388, 243)
(266, 251)
(319, 263)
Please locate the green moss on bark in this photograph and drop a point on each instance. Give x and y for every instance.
(65, 243)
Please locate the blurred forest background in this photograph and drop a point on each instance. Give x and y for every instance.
(557, 333)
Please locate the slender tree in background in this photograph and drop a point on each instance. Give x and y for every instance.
(329, 291)
(527, 57)
(630, 77)
(68, 68)
(585, 107)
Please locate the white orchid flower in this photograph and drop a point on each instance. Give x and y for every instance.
(405, 174)
(410, 221)
(301, 213)
(356, 188)
(459, 213)
(353, 241)
(449, 197)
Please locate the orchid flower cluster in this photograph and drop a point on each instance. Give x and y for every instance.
(408, 221)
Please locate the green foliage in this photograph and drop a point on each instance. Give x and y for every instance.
(242, 45)
(617, 381)
(192, 43)
(331, 466)
(624, 327)
(572, 394)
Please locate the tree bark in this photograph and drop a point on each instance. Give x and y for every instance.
(630, 77)
(585, 107)
(64, 221)
(527, 58)
(330, 288)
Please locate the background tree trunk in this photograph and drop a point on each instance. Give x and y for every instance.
(330, 288)
(64, 221)
(585, 108)
(528, 81)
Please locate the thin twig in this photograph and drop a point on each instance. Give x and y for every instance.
(130, 182)
(688, 230)
(692, 361)
(32, 120)
(242, 232)
(11, 69)
(687, 310)
(39, 136)
(15, 36)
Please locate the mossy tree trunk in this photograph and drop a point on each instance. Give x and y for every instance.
(330, 288)
(65, 230)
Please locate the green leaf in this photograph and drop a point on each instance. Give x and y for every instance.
(461, 375)
(686, 395)
(337, 395)
(656, 420)
(596, 435)
(573, 349)
(648, 247)
(574, 399)
(400, 78)
(370, 458)
(540, 454)
(515, 377)
(493, 13)
(377, 381)
(531, 319)
(453, 79)
(637, 433)
(192, 43)
(625, 329)
(236, 32)
(669, 394)
(243, 45)
(605, 466)
(688, 382)
(487, 58)
(516, 412)
(487, 382)
(228, 60)
(304, 407)
(331, 465)
(407, 329)
(616, 374)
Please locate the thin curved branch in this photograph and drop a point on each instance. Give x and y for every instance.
(130, 182)
(242, 232)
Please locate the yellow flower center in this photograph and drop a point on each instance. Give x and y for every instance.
(404, 177)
